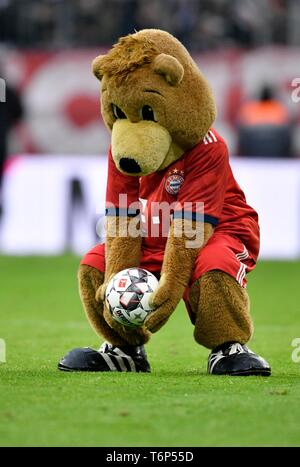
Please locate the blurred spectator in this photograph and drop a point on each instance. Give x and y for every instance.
(199, 24)
(264, 127)
(8, 24)
(11, 111)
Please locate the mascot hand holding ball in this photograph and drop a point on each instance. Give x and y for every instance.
(173, 211)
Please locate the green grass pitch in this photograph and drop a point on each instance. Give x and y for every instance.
(178, 404)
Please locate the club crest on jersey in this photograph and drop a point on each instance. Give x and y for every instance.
(174, 181)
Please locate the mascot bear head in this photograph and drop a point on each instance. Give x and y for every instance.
(154, 100)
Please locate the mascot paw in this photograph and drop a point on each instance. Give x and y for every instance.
(110, 321)
(164, 301)
(100, 294)
(133, 336)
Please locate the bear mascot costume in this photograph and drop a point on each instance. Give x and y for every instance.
(164, 152)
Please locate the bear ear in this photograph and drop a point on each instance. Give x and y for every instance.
(97, 65)
(169, 67)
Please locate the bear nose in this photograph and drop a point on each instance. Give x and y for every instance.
(129, 165)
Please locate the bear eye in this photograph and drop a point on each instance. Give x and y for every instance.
(118, 113)
(148, 113)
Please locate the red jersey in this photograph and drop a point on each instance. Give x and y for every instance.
(202, 175)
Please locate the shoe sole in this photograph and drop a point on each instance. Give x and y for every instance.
(70, 370)
(260, 372)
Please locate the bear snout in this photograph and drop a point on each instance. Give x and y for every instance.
(129, 165)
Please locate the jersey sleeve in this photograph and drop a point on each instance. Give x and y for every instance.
(202, 194)
(122, 192)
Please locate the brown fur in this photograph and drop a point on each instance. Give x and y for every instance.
(130, 53)
(128, 69)
(178, 263)
(90, 279)
(169, 67)
(153, 68)
(121, 250)
(221, 306)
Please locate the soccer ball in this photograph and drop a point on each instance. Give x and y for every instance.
(127, 296)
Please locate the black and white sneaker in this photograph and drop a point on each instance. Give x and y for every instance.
(237, 360)
(107, 358)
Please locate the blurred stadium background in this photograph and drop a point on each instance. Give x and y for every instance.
(52, 197)
(55, 169)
